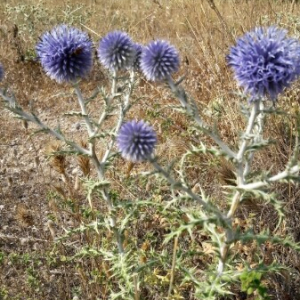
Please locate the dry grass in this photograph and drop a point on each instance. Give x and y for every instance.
(35, 198)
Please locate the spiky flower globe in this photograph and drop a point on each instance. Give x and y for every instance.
(137, 57)
(65, 53)
(1, 72)
(265, 61)
(159, 60)
(116, 51)
(136, 141)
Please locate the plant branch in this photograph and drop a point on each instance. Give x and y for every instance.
(280, 176)
(83, 110)
(30, 117)
(180, 186)
(240, 158)
(193, 112)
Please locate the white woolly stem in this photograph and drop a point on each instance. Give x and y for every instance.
(280, 176)
(241, 153)
(123, 109)
(257, 130)
(108, 101)
(240, 158)
(90, 131)
(83, 110)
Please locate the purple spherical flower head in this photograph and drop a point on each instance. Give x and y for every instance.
(265, 61)
(159, 60)
(1, 72)
(136, 141)
(65, 53)
(137, 57)
(116, 51)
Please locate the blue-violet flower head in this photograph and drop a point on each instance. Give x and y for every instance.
(1, 72)
(265, 61)
(137, 57)
(159, 60)
(116, 51)
(136, 141)
(65, 53)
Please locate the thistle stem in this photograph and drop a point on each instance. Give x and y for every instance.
(83, 110)
(251, 121)
(123, 109)
(280, 176)
(30, 117)
(90, 131)
(180, 186)
(241, 166)
(193, 112)
(258, 127)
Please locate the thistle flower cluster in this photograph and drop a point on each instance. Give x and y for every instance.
(136, 141)
(138, 55)
(159, 60)
(265, 61)
(116, 51)
(65, 53)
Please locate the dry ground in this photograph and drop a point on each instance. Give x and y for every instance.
(28, 179)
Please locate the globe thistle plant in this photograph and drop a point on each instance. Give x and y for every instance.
(116, 51)
(159, 60)
(136, 141)
(265, 61)
(1, 72)
(65, 53)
